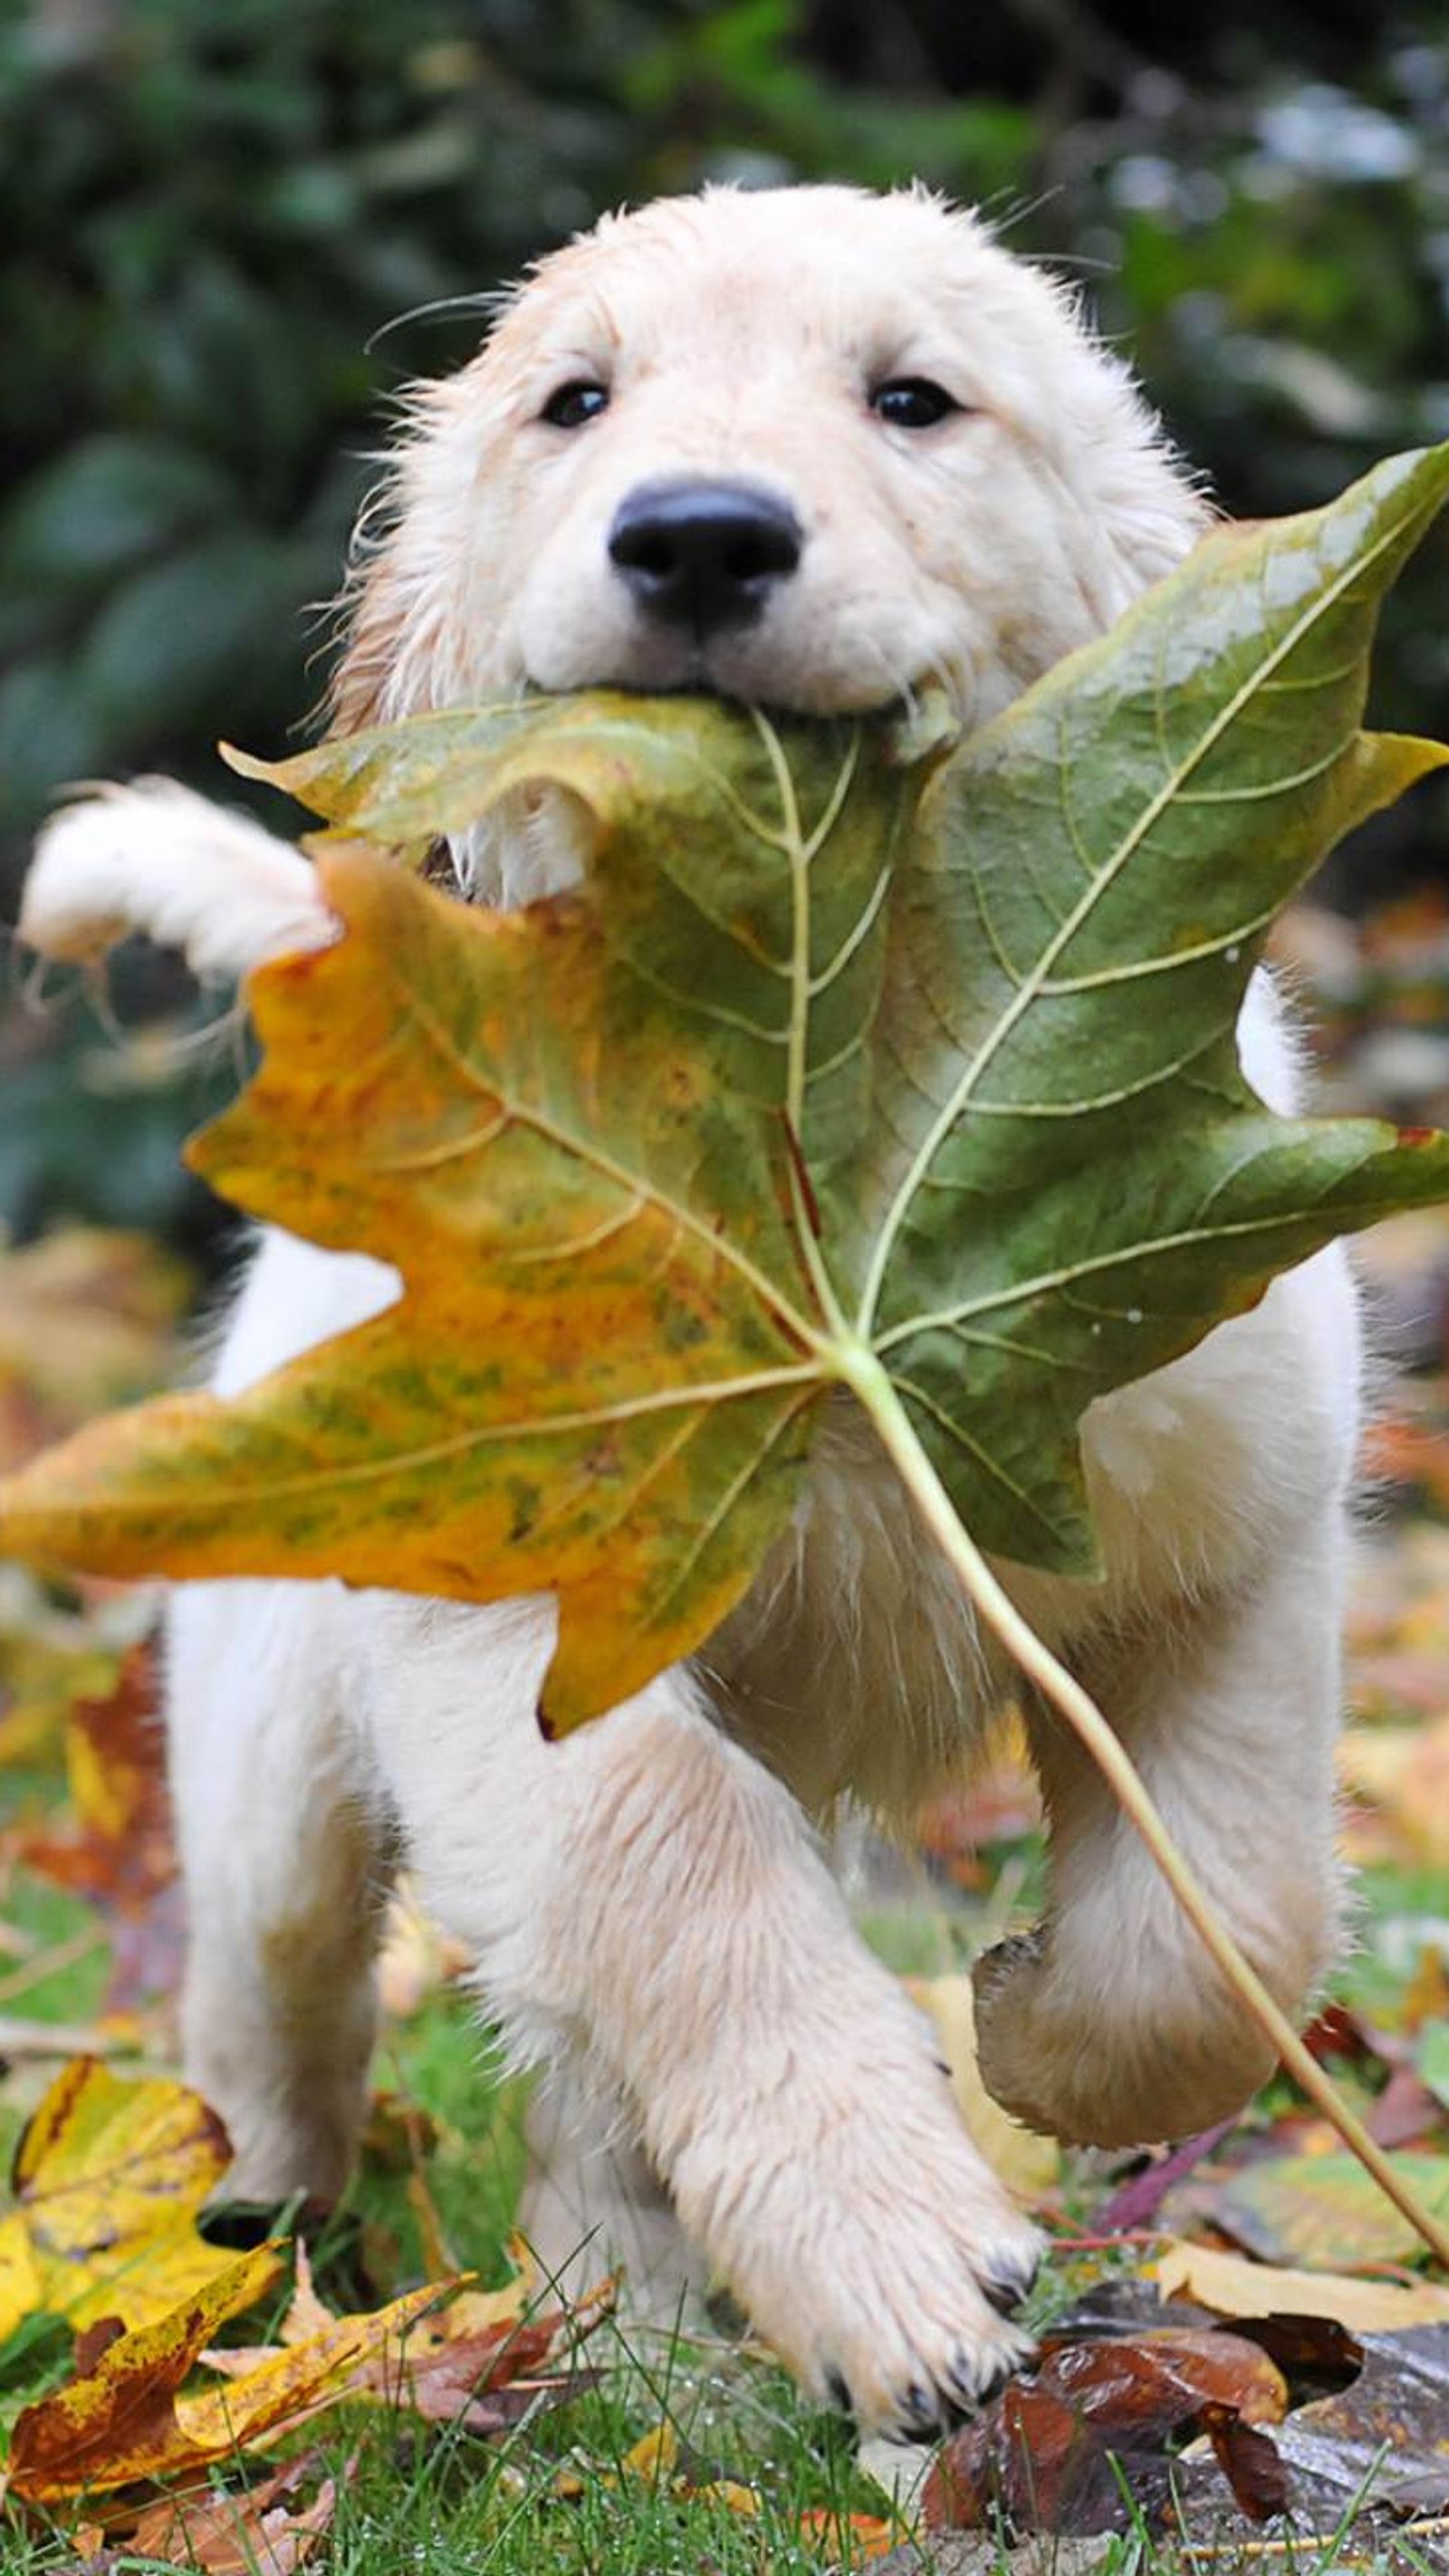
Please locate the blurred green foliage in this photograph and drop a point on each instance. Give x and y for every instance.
(224, 228)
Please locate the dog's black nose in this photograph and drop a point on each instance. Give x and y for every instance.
(704, 555)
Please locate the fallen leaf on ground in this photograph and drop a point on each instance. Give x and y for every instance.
(115, 1847)
(110, 2176)
(850, 2537)
(1389, 2432)
(1324, 2212)
(263, 2532)
(1046, 2454)
(86, 1321)
(1404, 1770)
(477, 2359)
(667, 1161)
(1232, 2286)
(1027, 2164)
(1136, 2202)
(127, 2419)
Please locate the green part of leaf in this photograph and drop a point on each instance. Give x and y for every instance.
(840, 1061)
(1325, 2212)
(1064, 1179)
(1010, 1035)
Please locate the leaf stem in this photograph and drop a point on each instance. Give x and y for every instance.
(872, 1386)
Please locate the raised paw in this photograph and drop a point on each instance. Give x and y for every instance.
(1131, 2062)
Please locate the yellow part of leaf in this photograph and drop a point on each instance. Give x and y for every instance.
(1321, 2209)
(1234, 2287)
(292, 2385)
(653, 2456)
(1405, 1771)
(848, 2536)
(127, 2420)
(1028, 2165)
(583, 1390)
(110, 2175)
(728, 2492)
(118, 2422)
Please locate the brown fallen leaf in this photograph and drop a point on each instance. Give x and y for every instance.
(477, 2361)
(116, 1848)
(110, 2175)
(1232, 2286)
(127, 2419)
(255, 2534)
(1252, 2463)
(1046, 2454)
(1388, 2433)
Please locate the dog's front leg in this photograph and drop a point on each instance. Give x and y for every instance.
(648, 1893)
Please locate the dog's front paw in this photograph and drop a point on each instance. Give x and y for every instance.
(876, 2252)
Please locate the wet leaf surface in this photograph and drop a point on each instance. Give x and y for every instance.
(1053, 2451)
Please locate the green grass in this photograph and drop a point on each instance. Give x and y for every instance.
(446, 2504)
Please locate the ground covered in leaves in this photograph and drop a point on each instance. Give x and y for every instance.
(1244, 2361)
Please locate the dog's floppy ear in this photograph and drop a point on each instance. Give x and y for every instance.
(1144, 534)
(402, 649)
(363, 688)
(1141, 509)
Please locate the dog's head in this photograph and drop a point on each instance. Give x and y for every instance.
(805, 447)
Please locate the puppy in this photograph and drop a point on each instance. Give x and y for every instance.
(805, 448)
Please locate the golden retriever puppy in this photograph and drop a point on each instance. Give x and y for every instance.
(807, 448)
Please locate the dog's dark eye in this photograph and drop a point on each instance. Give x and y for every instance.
(570, 405)
(912, 402)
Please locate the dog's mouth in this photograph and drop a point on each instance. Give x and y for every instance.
(698, 681)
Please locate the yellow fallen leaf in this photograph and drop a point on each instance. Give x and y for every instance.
(1404, 1770)
(653, 2456)
(1234, 2287)
(110, 2175)
(125, 2419)
(86, 1319)
(1028, 2165)
(852, 2536)
(728, 2492)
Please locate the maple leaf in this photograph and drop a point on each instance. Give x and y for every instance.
(110, 2177)
(135, 2414)
(844, 1069)
(126, 2418)
(261, 2533)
